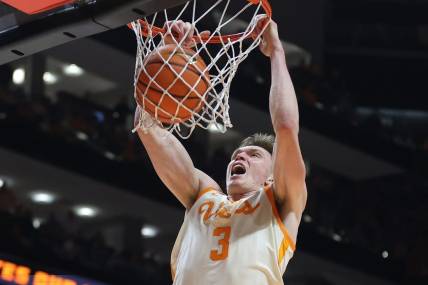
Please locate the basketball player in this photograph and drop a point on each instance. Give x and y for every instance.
(246, 236)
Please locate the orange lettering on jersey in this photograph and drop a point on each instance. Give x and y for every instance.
(221, 254)
(206, 209)
(222, 212)
(247, 209)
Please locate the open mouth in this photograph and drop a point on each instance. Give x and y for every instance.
(238, 169)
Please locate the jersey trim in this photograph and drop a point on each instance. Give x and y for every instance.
(287, 239)
(203, 192)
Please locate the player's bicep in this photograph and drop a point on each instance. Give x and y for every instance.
(289, 172)
(172, 164)
(205, 181)
(189, 197)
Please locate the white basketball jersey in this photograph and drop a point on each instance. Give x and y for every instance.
(231, 243)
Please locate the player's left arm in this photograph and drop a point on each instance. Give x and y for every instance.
(288, 166)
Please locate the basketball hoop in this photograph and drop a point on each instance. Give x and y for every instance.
(231, 39)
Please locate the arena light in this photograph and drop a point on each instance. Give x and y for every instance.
(149, 231)
(73, 70)
(37, 222)
(336, 237)
(18, 76)
(110, 155)
(42, 197)
(260, 80)
(86, 211)
(6, 182)
(307, 218)
(82, 136)
(319, 105)
(385, 254)
(49, 78)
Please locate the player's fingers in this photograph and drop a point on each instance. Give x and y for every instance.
(205, 34)
(202, 36)
(189, 29)
(261, 18)
(171, 27)
(191, 34)
(263, 24)
(256, 32)
(181, 29)
(260, 23)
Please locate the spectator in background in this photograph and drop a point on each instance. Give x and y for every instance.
(121, 111)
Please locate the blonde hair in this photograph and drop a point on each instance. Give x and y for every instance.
(262, 140)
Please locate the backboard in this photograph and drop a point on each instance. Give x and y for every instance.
(23, 34)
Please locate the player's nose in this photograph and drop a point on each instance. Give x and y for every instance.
(241, 156)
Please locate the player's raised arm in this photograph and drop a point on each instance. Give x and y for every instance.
(169, 157)
(173, 164)
(288, 166)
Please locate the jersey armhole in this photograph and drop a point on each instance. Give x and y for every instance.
(287, 238)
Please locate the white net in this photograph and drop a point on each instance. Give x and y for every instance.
(221, 62)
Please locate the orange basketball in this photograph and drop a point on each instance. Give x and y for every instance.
(160, 103)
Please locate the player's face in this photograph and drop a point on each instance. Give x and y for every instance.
(249, 168)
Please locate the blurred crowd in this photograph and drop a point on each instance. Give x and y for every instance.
(63, 243)
(329, 92)
(72, 118)
(383, 217)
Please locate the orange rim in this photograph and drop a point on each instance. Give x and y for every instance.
(145, 27)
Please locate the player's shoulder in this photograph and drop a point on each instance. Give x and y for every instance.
(210, 193)
(213, 191)
(205, 181)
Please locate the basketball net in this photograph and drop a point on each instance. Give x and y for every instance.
(221, 53)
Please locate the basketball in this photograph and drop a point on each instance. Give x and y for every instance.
(169, 97)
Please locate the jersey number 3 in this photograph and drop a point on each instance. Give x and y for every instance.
(223, 251)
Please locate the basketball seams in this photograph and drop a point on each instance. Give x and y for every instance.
(189, 67)
(189, 98)
(170, 86)
(151, 108)
(185, 83)
(165, 55)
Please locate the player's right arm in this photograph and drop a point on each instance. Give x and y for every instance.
(173, 164)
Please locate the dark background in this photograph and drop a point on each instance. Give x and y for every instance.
(359, 69)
